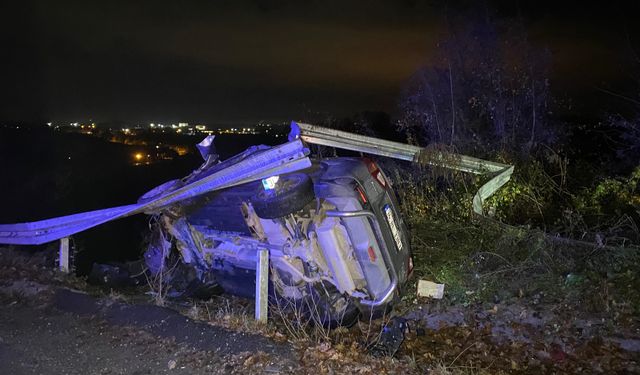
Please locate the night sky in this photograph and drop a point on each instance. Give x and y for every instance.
(218, 62)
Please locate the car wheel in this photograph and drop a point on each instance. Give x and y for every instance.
(291, 193)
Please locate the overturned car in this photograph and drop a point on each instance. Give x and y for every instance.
(332, 230)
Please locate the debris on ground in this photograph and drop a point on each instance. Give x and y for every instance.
(430, 289)
(110, 275)
(391, 338)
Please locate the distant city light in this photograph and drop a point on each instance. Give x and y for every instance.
(138, 135)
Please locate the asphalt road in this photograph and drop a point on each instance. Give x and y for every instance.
(73, 333)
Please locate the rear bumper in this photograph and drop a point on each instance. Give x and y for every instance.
(387, 296)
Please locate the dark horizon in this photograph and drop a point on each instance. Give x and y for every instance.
(242, 62)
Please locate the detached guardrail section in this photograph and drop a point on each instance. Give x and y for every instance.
(355, 142)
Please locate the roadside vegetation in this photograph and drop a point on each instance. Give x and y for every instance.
(560, 242)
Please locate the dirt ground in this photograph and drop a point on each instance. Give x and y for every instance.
(54, 324)
(51, 323)
(521, 337)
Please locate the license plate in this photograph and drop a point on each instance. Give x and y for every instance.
(395, 232)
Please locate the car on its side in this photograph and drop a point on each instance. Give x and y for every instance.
(336, 241)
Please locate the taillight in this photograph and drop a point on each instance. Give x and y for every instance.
(375, 172)
(363, 196)
(372, 254)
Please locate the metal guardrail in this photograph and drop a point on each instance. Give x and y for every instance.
(336, 138)
(285, 158)
(288, 157)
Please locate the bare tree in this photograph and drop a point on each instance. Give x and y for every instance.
(485, 90)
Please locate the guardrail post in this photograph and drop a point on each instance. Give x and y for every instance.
(262, 284)
(63, 255)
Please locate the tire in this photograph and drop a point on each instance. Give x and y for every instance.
(291, 193)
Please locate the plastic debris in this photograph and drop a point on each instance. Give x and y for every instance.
(430, 289)
(391, 338)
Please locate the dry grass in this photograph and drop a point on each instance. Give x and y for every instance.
(444, 369)
(233, 313)
(159, 283)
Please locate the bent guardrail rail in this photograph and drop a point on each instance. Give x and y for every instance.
(288, 157)
(336, 138)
